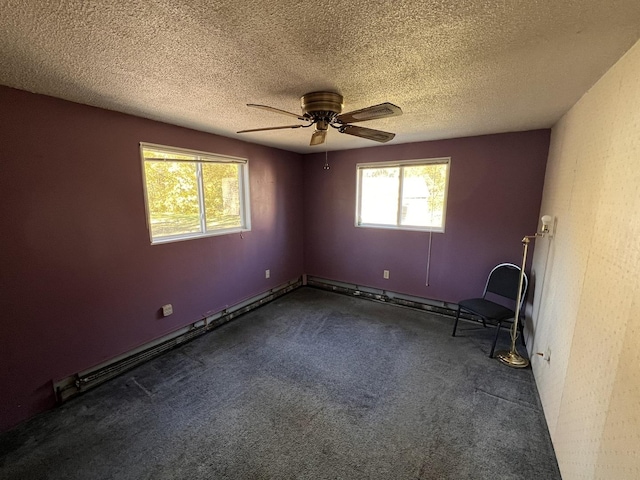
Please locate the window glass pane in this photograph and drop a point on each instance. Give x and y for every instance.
(423, 195)
(172, 195)
(379, 196)
(407, 195)
(221, 195)
(192, 194)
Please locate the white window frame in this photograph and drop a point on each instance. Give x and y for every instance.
(360, 167)
(200, 158)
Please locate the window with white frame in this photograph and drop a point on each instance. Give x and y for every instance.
(192, 194)
(406, 195)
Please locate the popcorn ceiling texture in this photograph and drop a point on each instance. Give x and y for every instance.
(587, 284)
(456, 68)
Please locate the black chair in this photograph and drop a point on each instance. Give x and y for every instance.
(502, 283)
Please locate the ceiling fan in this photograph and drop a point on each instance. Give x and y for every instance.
(324, 110)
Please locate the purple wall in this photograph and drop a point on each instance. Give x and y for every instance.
(495, 190)
(80, 282)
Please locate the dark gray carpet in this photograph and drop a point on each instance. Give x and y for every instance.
(314, 385)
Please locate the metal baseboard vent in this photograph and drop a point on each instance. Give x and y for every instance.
(74, 385)
(393, 298)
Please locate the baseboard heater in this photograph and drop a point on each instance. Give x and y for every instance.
(433, 306)
(74, 385)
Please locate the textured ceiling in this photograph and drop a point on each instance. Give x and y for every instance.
(456, 68)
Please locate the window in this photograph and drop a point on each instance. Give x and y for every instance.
(408, 195)
(192, 194)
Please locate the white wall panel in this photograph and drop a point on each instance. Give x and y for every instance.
(587, 300)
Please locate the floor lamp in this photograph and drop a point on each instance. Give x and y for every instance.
(512, 358)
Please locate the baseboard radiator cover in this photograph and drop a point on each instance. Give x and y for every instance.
(433, 306)
(74, 385)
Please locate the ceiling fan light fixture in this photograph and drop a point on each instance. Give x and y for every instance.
(318, 137)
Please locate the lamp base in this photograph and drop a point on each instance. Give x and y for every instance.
(512, 359)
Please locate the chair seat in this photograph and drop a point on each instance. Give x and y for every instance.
(487, 309)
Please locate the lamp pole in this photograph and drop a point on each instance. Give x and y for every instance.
(512, 358)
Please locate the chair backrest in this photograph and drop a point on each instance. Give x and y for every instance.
(504, 279)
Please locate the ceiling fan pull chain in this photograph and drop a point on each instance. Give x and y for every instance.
(326, 156)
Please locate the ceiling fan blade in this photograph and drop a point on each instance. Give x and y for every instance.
(269, 128)
(277, 110)
(383, 110)
(368, 133)
(318, 137)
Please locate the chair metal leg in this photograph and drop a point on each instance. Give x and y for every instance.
(522, 334)
(455, 324)
(495, 339)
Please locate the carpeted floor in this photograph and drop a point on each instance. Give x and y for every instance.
(314, 385)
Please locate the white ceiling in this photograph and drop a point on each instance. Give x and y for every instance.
(456, 68)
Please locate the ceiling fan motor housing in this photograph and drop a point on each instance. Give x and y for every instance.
(326, 105)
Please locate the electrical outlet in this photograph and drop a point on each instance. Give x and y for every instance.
(167, 310)
(267, 273)
(385, 274)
